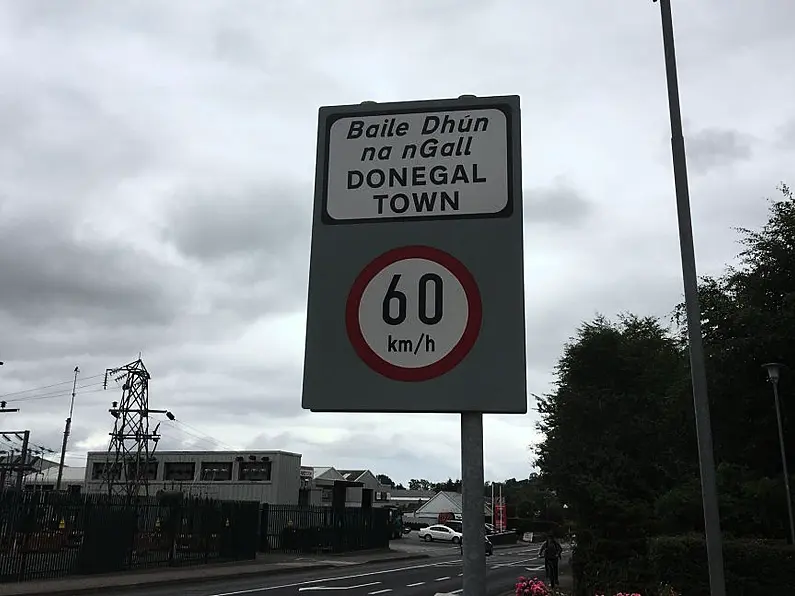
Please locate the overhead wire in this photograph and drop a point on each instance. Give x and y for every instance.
(68, 382)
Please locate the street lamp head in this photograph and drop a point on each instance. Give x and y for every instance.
(773, 371)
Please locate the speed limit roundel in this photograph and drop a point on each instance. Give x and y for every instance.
(413, 313)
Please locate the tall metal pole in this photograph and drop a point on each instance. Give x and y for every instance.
(709, 491)
(492, 504)
(784, 462)
(23, 462)
(472, 482)
(67, 429)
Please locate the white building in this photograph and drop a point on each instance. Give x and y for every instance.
(446, 503)
(72, 479)
(264, 476)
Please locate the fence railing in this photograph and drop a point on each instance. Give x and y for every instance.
(51, 534)
(312, 529)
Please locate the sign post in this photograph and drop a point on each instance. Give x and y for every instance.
(416, 284)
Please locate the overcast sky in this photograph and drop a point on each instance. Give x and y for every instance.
(156, 171)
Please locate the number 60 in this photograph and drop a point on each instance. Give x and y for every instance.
(393, 294)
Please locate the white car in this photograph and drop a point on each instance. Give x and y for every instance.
(439, 532)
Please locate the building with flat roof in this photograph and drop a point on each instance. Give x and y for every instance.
(248, 475)
(72, 480)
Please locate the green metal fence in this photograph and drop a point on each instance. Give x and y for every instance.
(48, 534)
(307, 529)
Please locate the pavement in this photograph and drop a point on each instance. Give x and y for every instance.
(285, 574)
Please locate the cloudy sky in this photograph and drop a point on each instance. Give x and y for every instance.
(156, 171)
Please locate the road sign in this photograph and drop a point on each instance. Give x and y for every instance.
(413, 313)
(416, 289)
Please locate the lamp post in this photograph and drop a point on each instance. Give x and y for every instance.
(698, 373)
(773, 375)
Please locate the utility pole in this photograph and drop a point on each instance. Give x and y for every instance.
(66, 431)
(23, 461)
(5, 410)
(698, 374)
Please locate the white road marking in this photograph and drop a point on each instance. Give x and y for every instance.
(460, 575)
(442, 579)
(340, 587)
(415, 585)
(379, 592)
(511, 563)
(325, 580)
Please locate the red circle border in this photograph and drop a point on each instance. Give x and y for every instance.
(459, 351)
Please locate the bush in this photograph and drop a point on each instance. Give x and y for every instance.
(524, 524)
(752, 567)
(610, 566)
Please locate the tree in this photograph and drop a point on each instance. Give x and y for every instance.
(419, 484)
(618, 429)
(449, 486)
(748, 318)
(385, 480)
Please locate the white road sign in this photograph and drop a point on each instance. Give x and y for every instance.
(413, 313)
(433, 164)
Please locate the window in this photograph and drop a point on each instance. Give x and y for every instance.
(99, 468)
(148, 471)
(216, 471)
(177, 470)
(325, 495)
(255, 471)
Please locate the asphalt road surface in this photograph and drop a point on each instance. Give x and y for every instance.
(440, 575)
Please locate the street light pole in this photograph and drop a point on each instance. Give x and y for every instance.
(706, 457)
(773, 375)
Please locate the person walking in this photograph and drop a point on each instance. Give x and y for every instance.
(551, 552)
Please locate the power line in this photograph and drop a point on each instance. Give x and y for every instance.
(58, 394)
(32, 389)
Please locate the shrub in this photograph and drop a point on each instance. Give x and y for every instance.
(610, 566)
(752, 567)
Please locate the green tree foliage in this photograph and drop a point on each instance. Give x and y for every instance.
(420, 484)
(619, 438)
(618, 427)
(748, 318)
(385, 480)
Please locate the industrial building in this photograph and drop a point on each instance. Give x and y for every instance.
(264, 476)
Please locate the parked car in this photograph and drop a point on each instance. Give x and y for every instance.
(438, 532)
(489, 547)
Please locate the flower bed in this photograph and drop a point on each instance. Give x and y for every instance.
(526, 586)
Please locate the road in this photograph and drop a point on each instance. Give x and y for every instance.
(439, 575)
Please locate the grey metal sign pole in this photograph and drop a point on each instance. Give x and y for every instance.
(416, 276)
(472, 486)
(709, 490)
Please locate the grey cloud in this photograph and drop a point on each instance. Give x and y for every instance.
(785, 136)
(711, 148)
(267, 222)
(255, 243)
(63, 145)
(46, 275)
(558, 204)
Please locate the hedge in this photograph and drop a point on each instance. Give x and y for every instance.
(610, 566)
(752, 567)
